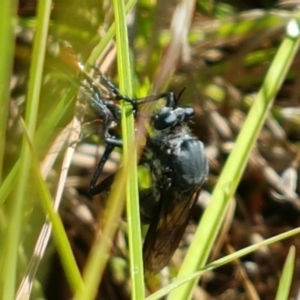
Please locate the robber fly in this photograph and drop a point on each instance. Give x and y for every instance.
(177, 163)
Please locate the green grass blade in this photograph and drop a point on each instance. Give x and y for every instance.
(13, 233)
(287, 276)
(50, 207)
(220, 262)
(212, 219)
(100, 251)
(60, 236)
(130, 156)
(7, 15)
(107, 38)
(8, 183)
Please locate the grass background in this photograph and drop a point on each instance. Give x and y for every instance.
(239, 65)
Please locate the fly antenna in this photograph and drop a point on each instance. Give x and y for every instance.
(180, 94)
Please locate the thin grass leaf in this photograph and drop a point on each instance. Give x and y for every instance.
(130, 158)
(99, 49)
(286, 276)
(14, 230)
(9, 183)
(62, 242)
(7, 14)
(59, 234)
(100, 251)
(130, 154)
(213, 217)
(220, 262)
(54, 116)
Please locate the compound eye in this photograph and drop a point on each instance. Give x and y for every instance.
(188, 112)
(165, 119)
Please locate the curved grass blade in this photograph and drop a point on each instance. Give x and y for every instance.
(213, 217)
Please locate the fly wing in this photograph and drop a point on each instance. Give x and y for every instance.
(167, 227)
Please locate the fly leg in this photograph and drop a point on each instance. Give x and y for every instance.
(94, 188)
(111, 142)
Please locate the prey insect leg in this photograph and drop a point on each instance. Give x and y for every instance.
(110, 145)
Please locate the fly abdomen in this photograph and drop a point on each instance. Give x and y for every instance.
(189, 164)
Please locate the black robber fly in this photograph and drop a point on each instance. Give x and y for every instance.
(178, 165)
(105, 98)
(176, 162)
